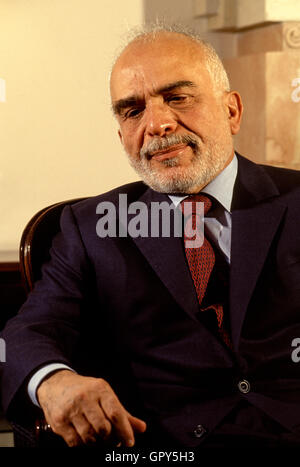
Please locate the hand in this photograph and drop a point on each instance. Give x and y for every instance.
(82, 409)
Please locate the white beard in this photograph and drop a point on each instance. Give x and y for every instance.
(170, 177)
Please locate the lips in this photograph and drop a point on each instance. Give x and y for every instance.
(168, 153)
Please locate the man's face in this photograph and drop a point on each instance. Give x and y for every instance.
(175, 128)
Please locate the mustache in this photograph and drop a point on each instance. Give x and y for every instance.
(158, 143)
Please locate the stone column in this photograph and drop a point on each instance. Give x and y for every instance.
(266, 72)
(265, 69)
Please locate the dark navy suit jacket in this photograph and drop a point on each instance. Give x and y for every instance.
(125, 309)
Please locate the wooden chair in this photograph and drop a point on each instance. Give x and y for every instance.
(36, 241)
(34, 251)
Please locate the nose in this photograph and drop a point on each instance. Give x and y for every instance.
(160, 120)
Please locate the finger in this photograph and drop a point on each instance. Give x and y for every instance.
(69, 434)
(84, 429)
(72, 438)
(118, 417)
(138, 425)
(99, 422)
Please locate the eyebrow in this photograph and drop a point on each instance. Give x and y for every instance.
(122, 104)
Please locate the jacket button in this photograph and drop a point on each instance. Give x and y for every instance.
(244, 386)
(199, 431)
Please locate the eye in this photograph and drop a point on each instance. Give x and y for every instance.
(177, 98)
(133, 113)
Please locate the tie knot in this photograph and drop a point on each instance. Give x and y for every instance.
(198, 198)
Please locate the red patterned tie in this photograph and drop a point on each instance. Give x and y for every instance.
(201, 260)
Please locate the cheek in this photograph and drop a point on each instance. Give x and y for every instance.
(129, 143)
(132, 142)
(199, 122)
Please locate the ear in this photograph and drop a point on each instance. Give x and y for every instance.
(235, 110)
(120, 136)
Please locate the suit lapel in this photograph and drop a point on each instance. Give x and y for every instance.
(167, 258)
(256, 216)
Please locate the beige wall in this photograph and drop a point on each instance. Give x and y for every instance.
(57, 136)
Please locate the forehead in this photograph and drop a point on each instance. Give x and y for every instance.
(146, 66)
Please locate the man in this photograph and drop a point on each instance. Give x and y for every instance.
(115, 343)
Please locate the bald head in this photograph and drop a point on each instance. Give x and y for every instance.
(178, 40)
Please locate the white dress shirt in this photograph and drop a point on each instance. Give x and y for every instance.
(217, 226)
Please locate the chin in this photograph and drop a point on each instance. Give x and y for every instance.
(171, 184)
(178, 179)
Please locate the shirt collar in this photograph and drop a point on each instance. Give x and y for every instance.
(221, 187)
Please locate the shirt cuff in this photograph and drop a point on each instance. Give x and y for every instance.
(41, 374)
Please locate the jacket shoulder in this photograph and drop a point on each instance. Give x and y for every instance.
(133, 191)
(286, 180)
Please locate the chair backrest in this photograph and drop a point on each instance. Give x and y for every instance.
(34, 251)
(36, 241)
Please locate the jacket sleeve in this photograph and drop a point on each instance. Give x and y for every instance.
(46, 329)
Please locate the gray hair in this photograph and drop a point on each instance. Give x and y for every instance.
(214, 65)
